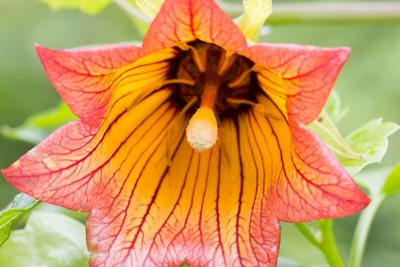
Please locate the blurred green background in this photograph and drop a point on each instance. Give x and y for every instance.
(369, 85)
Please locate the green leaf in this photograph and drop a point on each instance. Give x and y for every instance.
(365, 145)
(254, 16)
(21, 204)
(325, 128)
(87, 6)
(149, 7)
(333, 107)
(370, 141)
(39, 126)
(392, 183)
(49, 239)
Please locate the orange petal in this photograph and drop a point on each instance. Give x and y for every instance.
(186, 20)
(80, 164)
(202, 209)
(308, 181)
(304, 74)
(79, 75)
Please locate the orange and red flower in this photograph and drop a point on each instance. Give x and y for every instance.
(191, 147)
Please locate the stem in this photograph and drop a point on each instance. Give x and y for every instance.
(328, 245)
(324, 240)
(309, 234)
(362, 230)
(344, 12)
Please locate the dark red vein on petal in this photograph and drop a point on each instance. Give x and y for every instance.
(217, 207)
(240, 200)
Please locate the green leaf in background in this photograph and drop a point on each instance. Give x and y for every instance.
(381, 183)
(370, 141)
(334, 108)
(87, 6)
(21, 204)
(149, 7)
(365, 145)
(325, 128)
(254, 16)
(392, 184)
(39, 126)
(49, 239)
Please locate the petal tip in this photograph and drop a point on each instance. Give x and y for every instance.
(44, 53)
(343, 53)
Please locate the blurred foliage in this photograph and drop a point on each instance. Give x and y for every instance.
(48, 237)
(369, 86)
(87, 6)
(21, 204)
(38, 126)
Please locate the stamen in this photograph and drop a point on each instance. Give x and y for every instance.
(202, 130)
(178, 81)
(226, 61)
(196, 57)
(239, 79)
(257, 106)
(240, 101)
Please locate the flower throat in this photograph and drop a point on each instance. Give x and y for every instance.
(217, 83)
(208, 65)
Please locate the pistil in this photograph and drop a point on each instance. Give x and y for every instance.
(202, 130)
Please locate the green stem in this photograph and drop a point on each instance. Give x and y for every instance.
(328, 245)
(314, 12)
(324, 240)
(362, 231)
(308, 233)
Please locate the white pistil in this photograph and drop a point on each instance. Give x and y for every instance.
(202, 130)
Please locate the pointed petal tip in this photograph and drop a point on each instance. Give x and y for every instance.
(40, 49)
(43, 53)
(6, 172)
(343, 53)
(364, 201)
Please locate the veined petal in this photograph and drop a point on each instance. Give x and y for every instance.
(305, 74)
(80, 75)
(79, 165)
(204, 209)
(186, 20)
(308, 181)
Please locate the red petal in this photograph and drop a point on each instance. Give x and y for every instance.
(186, 20)
(203, 209)
(74, 167)
(308, 181)
(305, 73)
(80, 75)
(48, 172)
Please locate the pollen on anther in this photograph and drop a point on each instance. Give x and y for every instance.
(202, 130)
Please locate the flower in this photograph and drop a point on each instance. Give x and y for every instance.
(192, 147)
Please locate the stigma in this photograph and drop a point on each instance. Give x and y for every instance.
(202, 130)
